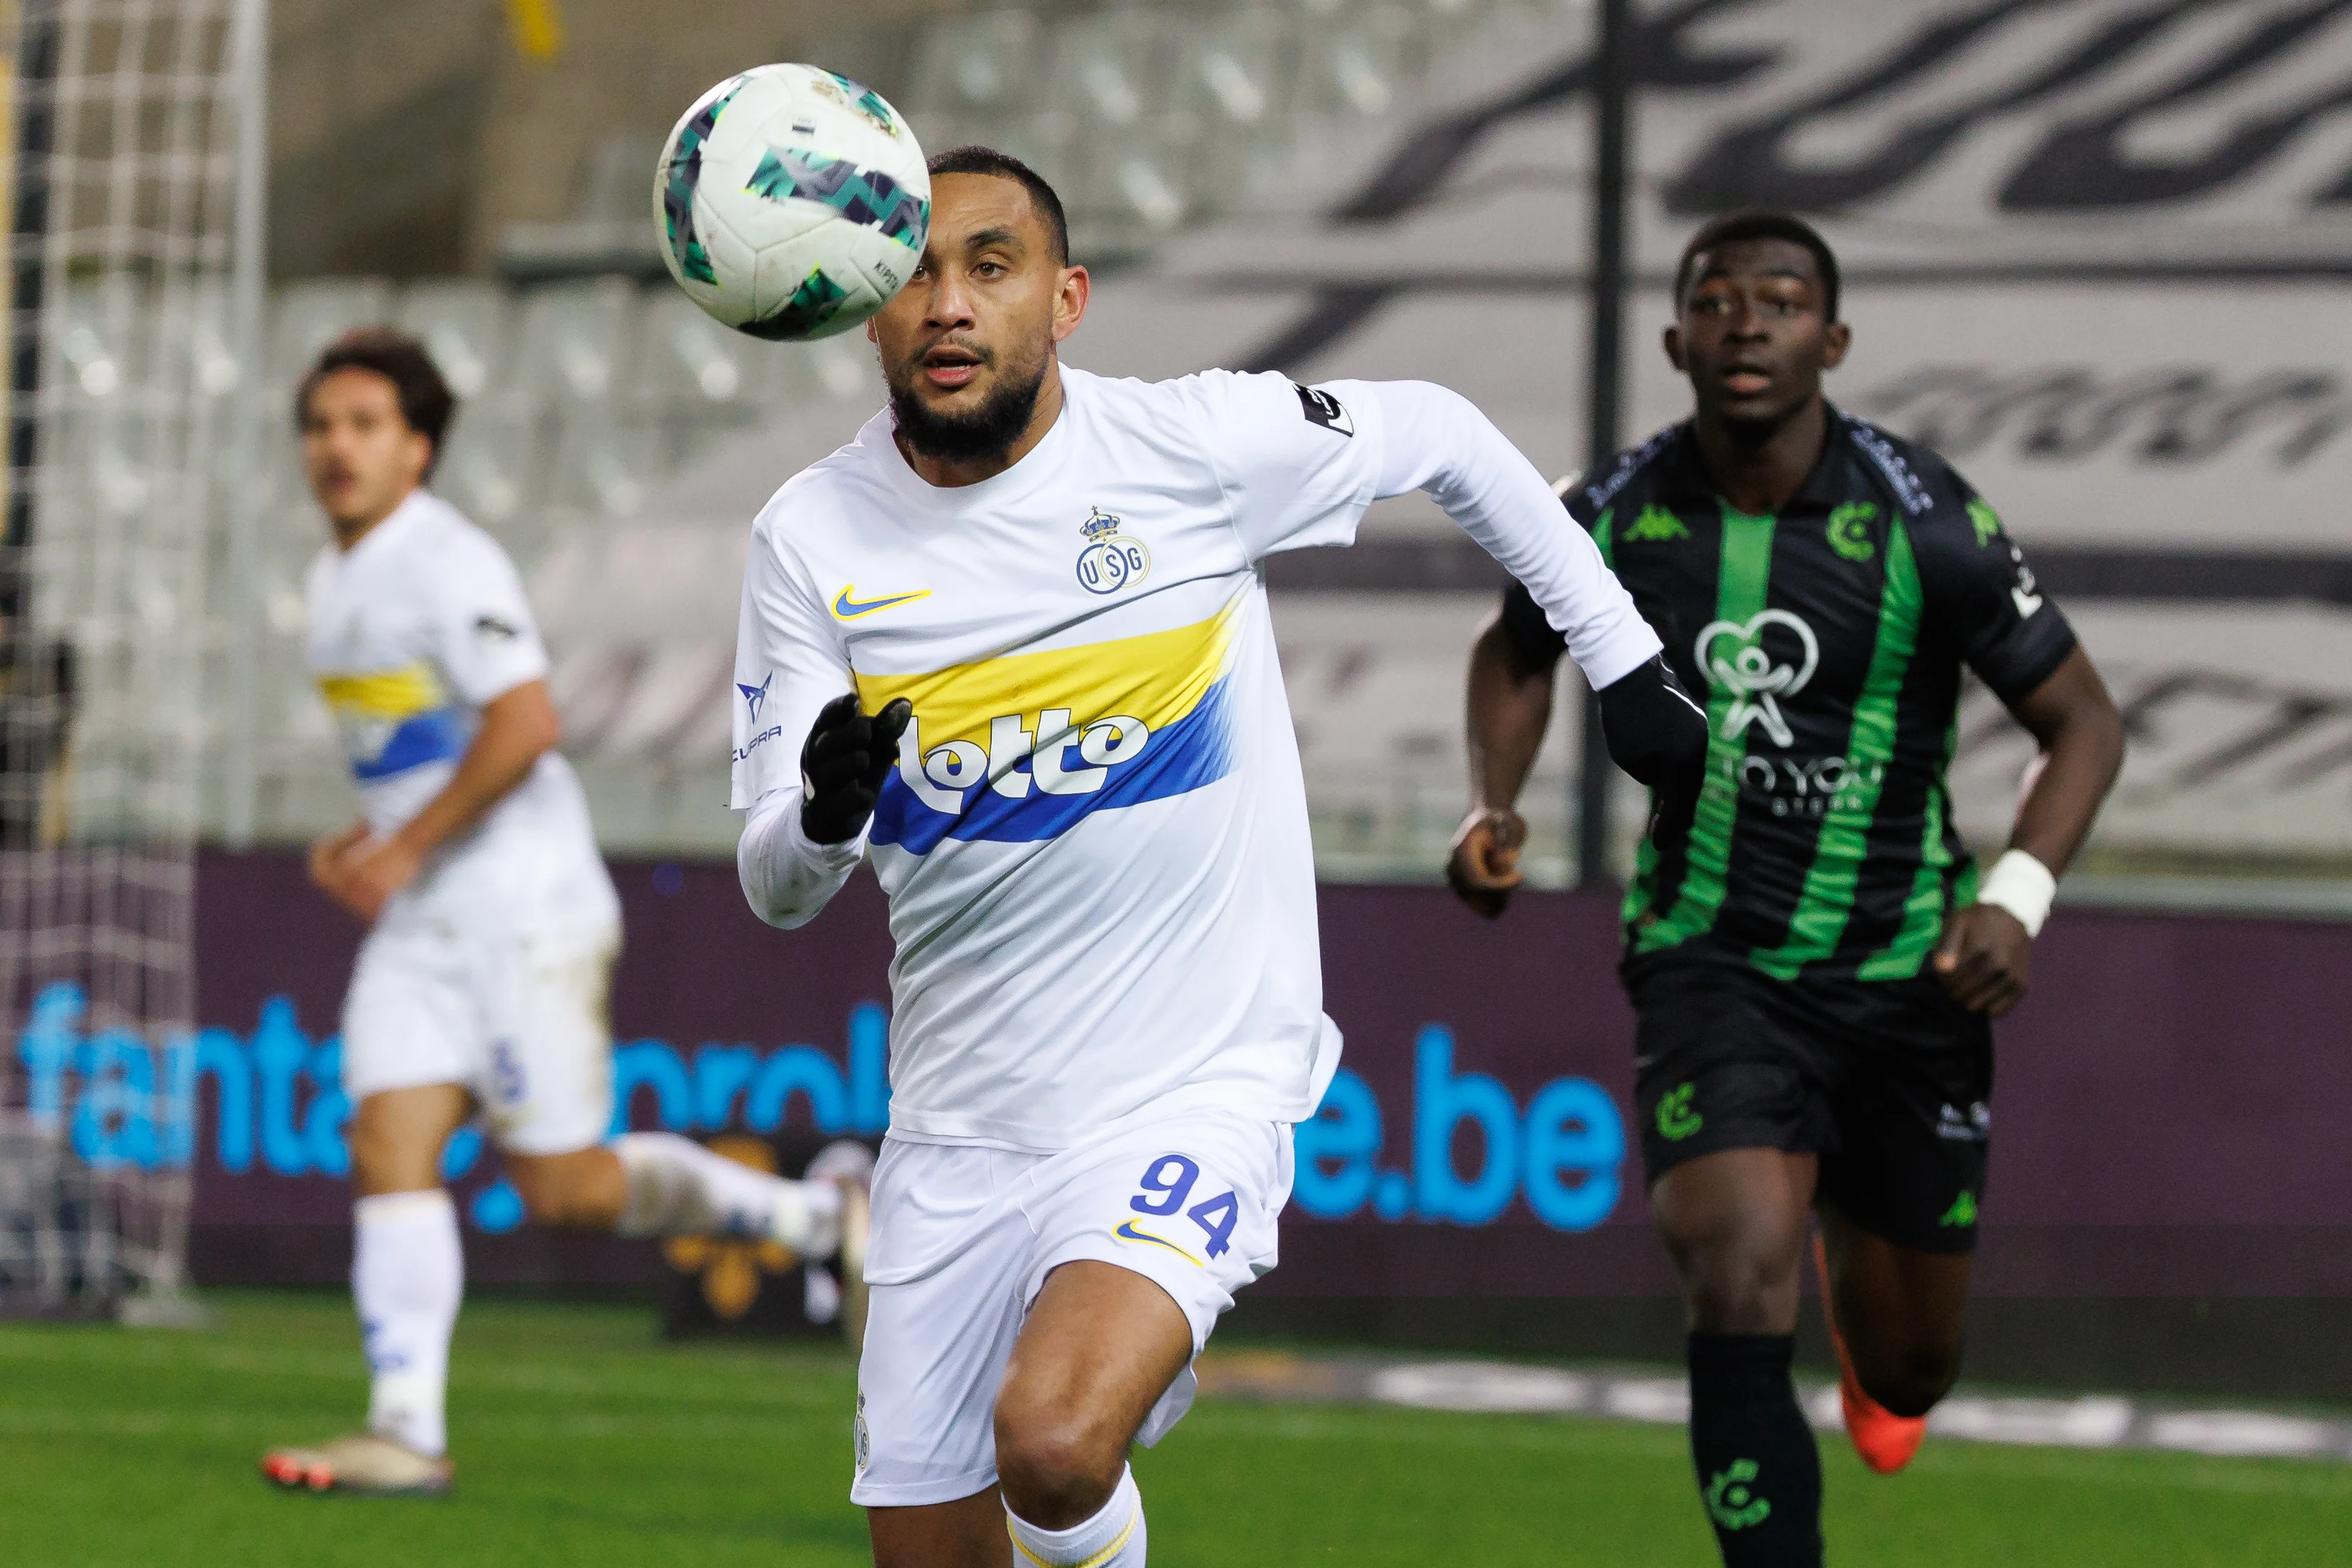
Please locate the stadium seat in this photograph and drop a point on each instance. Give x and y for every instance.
(604, 465)
(489, 471)
(1357, 62)
(1138, 179)
(463, 324)
(840, 368)
(1110, 70)
(581, 398)
(95, 350)
(575, 339)
(976, 66)
(1229, 70)
(202, 330)
(307, 313)
(684, 358)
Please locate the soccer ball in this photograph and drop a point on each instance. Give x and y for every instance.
(792, 202)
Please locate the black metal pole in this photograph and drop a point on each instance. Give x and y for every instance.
(1613, 86)
(36, 72)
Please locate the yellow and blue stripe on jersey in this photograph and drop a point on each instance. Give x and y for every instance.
(394, 720)
(1022, 748)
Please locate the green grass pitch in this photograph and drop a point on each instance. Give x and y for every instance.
(581, 1439)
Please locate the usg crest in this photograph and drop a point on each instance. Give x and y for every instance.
(1737, 659)
(1111, 559)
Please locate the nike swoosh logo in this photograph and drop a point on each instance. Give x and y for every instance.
(2027, 603)
(1128, 1232)
(849, 609)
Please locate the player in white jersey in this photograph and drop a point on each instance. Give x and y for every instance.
(1012, 645)
(492, 924)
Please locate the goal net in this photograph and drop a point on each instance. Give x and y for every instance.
(121, 419)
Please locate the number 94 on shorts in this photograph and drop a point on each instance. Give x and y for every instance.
(964, 1237)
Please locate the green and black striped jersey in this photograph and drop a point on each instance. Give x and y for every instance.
(1829, 640)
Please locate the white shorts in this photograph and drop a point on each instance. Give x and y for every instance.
(519, 1019)
(964, 1237)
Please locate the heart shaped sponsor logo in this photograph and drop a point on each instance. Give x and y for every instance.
(1737, 659)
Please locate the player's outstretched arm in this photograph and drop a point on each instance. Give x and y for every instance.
(1984, 959)
(1437, 441)
(1651, 728)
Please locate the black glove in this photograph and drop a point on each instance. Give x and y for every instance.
(843, 764)
(1658, 735)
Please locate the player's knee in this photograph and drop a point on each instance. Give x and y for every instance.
(547, 1198)
(385, 1159)
(1056, 1466)
(1909, 1379)
(1736, 1286)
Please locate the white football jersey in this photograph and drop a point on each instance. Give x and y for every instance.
(1095, 840)
(409, 633)
(1094, 843)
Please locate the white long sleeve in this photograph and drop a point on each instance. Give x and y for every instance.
(786, 878)
(1436, 440)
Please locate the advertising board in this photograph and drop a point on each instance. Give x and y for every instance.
(2167, 1119)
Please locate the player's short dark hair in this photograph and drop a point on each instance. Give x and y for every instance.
(1761, 223)
(974, 159)
(426, 401)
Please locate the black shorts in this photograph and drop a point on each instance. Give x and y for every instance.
(1889, 1082)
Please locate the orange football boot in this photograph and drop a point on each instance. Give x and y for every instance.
(1884, 1441)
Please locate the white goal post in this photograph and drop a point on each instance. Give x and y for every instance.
(135, 130)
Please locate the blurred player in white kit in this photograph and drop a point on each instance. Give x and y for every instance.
(480, 988)
(1013, 645)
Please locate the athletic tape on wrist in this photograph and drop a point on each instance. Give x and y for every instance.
(2023, 885)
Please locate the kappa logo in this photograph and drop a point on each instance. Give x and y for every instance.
(1656, 525)
(1737, 659)
(1111, 559)
(1984, 520)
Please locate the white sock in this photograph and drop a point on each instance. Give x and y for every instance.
(1113, 1538)
(407, 1274)
(678, 1188)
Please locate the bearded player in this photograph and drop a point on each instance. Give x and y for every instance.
(492, 925)
(1812, 959)
(1012, 645)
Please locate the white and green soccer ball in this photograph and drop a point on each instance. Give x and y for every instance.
(792, 202)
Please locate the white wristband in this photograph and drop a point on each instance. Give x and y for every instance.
(2023, 885)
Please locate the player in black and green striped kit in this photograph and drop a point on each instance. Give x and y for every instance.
(1812, 958)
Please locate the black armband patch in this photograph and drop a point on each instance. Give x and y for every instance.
(1324, 410)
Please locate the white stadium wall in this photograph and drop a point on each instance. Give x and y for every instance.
(2095, 249)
